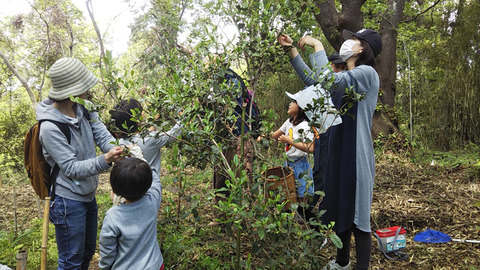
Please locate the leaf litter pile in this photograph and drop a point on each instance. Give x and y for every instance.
(419, 197)
(413, 196)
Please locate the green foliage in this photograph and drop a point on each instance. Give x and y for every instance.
(270, 235)
(172, 78)
(466, 157)
(189, 79)
(373, 12)
(16, 117)
(29, 240)
(180, 242)
(274, 233)
(10, 246)
(443, 49)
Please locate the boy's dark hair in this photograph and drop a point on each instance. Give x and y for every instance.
(367, 57)
(131, 178)
(122, 115)
(342, 66)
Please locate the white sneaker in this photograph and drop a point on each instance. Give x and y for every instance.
(332, 265)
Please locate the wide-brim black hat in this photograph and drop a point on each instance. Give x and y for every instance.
(369, 35)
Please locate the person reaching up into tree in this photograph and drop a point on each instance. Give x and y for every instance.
(319, 154)
(233, 85)
(125, 127)
(350, 163)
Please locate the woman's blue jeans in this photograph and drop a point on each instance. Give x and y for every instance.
(75, 231)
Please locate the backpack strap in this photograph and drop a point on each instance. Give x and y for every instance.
(66, 131)
(400, 255)
(86, 113)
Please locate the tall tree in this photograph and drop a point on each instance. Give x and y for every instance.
(350, 16)
(32, 42)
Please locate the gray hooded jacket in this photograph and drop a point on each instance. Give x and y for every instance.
(151, 144)
(78, 162)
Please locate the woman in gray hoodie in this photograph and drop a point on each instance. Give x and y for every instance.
(74, 208)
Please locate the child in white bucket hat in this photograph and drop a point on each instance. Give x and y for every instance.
(74, 208)
(298, 136)
(318, 106)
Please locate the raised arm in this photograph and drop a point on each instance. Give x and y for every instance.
(164, 138)
(287, 44)
(306, 74)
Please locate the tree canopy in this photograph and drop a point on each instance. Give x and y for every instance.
(427, 67)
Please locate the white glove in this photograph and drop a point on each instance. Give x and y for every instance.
(136, 152)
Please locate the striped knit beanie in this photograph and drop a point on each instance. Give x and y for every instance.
(70, 77)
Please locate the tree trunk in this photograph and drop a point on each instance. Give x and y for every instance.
(388, 58)
(333, 22)
(383, 122)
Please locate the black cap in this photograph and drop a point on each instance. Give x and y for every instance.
(369, 35)
(335, 58)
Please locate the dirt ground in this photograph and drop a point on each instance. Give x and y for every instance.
(413, 196)
(421, 197)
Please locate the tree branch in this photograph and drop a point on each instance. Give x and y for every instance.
(102, 49)
(423, 12)
(20, 78)
(184, 6)
(97, 30)
(45, 52)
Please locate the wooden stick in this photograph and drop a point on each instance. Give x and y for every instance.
(46, 213)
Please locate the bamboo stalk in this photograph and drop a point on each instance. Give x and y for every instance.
(46, 213)
(21, 259)
(466, 241)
